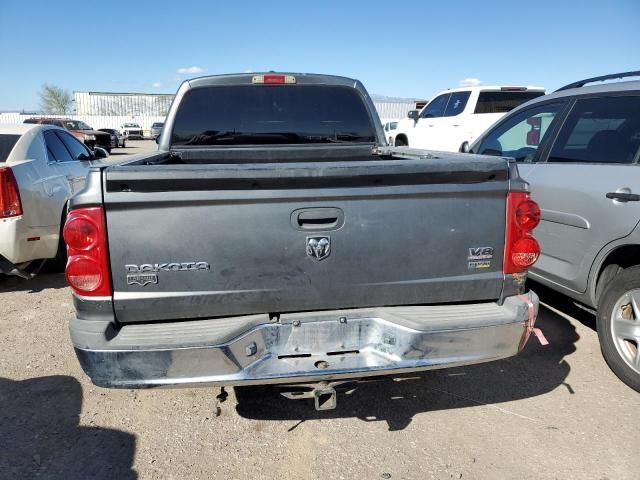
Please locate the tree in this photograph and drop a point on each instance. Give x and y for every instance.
(55, 100)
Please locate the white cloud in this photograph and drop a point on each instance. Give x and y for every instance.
(248, 71)
(470, 82)
(189, 70)
(156, 84)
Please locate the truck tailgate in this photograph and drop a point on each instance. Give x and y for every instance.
(203, 241)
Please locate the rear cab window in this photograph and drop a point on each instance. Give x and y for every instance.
(271, 115)
(600, 130)
(7, 142)
(503, 101)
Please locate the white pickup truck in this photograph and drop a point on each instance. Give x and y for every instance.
(460, 115)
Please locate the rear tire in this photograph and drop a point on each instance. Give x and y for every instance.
(618, 324)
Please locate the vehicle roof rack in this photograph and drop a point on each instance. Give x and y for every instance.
(613, 76)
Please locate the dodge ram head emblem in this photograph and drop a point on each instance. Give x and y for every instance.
(318, 247)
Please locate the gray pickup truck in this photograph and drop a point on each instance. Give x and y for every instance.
(275, 239)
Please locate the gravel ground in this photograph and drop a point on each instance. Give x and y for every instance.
(551, 412)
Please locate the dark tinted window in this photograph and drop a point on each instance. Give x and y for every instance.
(502, 102)
(457, 102)
(7, 142)
(55, 148)
(157, 125)
(600, 130)
(253, 115)
(78, 150)
(436, 107)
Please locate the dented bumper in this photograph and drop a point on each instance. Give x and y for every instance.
(302, 347)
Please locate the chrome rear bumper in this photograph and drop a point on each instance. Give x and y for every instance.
(303, 347)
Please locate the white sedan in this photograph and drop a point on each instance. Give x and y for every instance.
(41, 167)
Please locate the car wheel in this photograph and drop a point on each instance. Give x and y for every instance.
(618, 324)
(401, 142)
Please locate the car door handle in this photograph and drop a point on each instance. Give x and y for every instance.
(625, 197)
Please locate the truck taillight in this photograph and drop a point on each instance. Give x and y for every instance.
(88, 264)
(273, 79)
(10, 204)
(521, 249)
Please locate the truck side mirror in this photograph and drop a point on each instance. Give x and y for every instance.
(414, 114)
(465, 147)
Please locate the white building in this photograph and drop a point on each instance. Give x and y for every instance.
(122, 104)
(153, 104)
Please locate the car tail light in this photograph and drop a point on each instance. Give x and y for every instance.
(10, 204)
(521, 249)
(88, 264)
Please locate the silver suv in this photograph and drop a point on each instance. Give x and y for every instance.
(579, 147)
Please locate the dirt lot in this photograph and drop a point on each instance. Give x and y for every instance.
(551, 412)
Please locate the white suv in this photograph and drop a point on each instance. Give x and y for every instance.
(460, 115)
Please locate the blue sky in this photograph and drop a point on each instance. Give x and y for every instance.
(404, 49)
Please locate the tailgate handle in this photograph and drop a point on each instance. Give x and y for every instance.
(323, 218)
